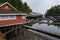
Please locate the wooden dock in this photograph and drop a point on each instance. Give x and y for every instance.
(43, 31)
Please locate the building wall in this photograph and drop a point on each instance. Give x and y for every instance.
(6, 7)
(19, 19)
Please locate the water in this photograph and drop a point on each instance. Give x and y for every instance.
(44, 35)
(49, 28)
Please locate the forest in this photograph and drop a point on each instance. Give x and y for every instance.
(19, 5)
(53, 11)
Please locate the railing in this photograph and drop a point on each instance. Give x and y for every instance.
(35, 29)
(16, 28)
(11, 30)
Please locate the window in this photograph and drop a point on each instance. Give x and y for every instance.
(7, 17)
(24, 17)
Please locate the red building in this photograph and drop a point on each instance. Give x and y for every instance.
(10, 15)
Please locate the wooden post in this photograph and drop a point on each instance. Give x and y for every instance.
(20, 33)
(24, 33)
(16, 32)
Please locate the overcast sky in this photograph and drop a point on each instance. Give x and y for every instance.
(41, 6)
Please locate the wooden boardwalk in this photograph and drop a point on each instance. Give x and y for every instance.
(44, 31)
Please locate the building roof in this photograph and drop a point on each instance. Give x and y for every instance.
(9, 5)
(14, 14)
(10, 12)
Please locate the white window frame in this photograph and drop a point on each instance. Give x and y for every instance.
(23, 17)
(7, 17)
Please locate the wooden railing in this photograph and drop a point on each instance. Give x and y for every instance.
(32, 28)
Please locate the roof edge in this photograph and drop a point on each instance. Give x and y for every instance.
(9, 5)
(13, 14)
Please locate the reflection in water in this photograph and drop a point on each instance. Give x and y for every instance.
(48, 27)
(58, 25)
(51, 28)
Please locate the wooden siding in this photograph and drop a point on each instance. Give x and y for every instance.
(18, 20)
(6, 7)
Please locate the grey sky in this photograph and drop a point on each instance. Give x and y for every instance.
(41, 6)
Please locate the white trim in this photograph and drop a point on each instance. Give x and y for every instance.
(12, 24)
(14, 14)
(9, 5)
(8, 17)
(23, 17)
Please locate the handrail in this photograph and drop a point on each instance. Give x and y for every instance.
(11, 30)
(35, 29)
(17, 27)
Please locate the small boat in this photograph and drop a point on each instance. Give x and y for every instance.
(50, 21)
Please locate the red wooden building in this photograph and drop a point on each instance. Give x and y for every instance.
(10, 15)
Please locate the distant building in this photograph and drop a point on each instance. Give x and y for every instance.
(10, 15)
(34, 15)
(54, 17)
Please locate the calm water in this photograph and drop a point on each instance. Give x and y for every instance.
(49, 28)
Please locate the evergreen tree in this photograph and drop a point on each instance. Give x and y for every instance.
(26, 8)
(54, 10)
(18, 4)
